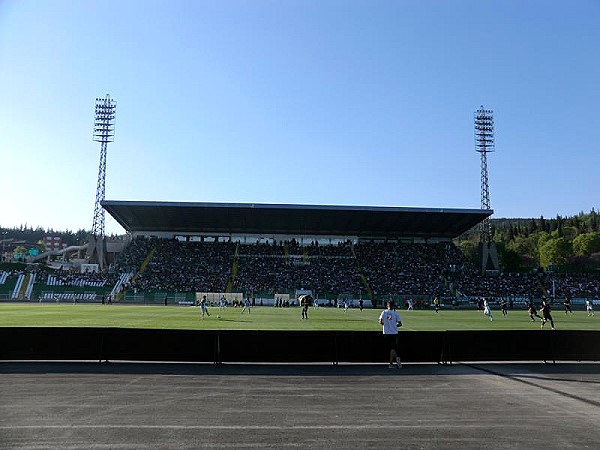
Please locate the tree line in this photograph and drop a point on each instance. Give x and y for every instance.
(560, 244)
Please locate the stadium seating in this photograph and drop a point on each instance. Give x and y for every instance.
(372, 270)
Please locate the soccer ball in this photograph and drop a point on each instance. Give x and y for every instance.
(218, 316)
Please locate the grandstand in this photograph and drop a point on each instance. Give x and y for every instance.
(264, 249)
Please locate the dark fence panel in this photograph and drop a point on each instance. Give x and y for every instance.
(276, 346)
(292, 346)
(577, 345)
(160, 345)
(51, 343)
(422, 346)
(360, 347)
(522, 345)
(519, 345)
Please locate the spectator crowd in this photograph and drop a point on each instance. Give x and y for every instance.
(365, 268)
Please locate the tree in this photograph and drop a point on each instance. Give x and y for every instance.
(593, 220)
(509, 259)
(569, 233)
(586, 244)
(523, 245)
(532, 227)
(543, 225)
(511, 233)
(555, 251)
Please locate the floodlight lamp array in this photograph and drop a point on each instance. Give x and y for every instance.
(484, 130)
(104, 123)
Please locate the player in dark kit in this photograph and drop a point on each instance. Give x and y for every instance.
(567, 304)
(503, 307)
(546, 316)
(533, 312)
(305, 301)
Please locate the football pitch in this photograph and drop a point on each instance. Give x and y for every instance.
(270, 318)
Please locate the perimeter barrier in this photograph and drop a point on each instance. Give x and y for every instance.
(229, 346)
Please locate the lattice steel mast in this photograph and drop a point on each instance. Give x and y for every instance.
(484, 144)
(104, 132)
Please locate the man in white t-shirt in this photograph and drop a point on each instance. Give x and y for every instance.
(589, 306)
(390, 320)
(203, 308)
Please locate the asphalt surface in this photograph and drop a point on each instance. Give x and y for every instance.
(121, 405)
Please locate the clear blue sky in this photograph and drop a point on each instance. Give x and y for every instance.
(336, 102)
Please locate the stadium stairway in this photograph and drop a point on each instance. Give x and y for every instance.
(117, 293)
(3, 277)
(29, 288)
(18, 286)
(145, 263)
(363, 278)
(234, 269)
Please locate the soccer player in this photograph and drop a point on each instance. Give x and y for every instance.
(503, 307)
(532, 312)
(305, 302)
(390, 320)
(589, 306)
(487, 310)
(203, 308)
(436, 304)
(246, 306)
(411, 305)
(546, 316)
(567, 304)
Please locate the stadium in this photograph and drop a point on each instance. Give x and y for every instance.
(295, 255)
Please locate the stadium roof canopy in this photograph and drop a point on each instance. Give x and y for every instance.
(223, 219)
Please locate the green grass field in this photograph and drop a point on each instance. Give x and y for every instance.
(269, 318)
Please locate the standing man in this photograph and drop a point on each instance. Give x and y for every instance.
(436, 304)
(203, 308)
(305, 302)
(390, 320)
(567, 304)
(589, 306)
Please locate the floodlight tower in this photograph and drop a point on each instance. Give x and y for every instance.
(484, 144)
(104, 132)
